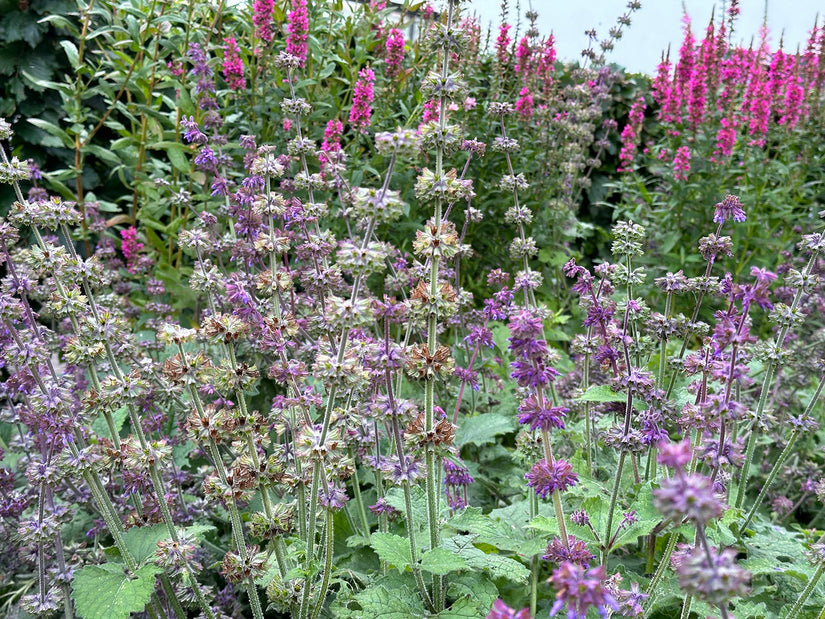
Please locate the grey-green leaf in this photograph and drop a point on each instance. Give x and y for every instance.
(108, 592)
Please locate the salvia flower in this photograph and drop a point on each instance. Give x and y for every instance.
(729, 208)
(500, 610)
(716, 580)
(548, 477)
(541, 416)
(580, 589)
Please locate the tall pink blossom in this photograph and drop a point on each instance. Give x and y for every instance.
(662, 89)
(502, 43)
(130, 247)
(524, 56)
(630, 136)
(332, 142)
(794, 94)
(262, 19)
(681, 163)
(546, 63)
(395, 52)
(361, 110)
(297, 25)
(687, 57)
(725, 138)
(757, 100)
(233, 65)
(524, 105)
(430, 111)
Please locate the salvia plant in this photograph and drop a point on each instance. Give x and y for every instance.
(271, 378)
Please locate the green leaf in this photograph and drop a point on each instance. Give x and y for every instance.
(71, 53)
(478, 588)
(393, 549)
(101, 428)
(601, 393)
(647, 517)
(54, 130)
(496, 565)
(483, 429)
(107, 592)
(499, 534)
(178, 159)
(379, 602)
(440, 561)
(143, 541)
(463, 608)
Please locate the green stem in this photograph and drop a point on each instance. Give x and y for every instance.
(419, 581)
(614, 496)
(328, 550)
(806, 593)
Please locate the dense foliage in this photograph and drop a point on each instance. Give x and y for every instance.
(327, 310)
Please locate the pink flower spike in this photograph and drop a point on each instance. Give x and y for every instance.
(361, 111)
(233, 65)
(297, 25)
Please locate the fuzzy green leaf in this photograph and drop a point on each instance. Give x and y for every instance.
(601, 393)
(440, 561)
(477, 588)
(483, 429)
(101, 428)
(379, 602)
(496, 565)
(107, 592)
(143, 541)
(393, 549)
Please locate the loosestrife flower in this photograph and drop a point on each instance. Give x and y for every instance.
(502, 43)
(298, 27)
(523, 56)
(524, 105)
(130, 247)
(262, 18)
(361, 111)
(395, 52)
(681, 163)
(232, 65)
(630, 135)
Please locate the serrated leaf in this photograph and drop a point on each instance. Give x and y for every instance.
(143, 541)
(496, 565)
(601, 393)
(393, 549)
(476, 587)
(107, 592)
(441, 561)
(379, 602)
(101, 428)
(484, 428)
(463, 608)
(502, 535)
(647, 518)
(395, 498)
